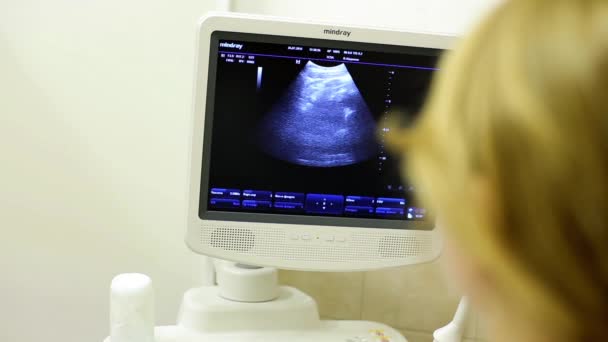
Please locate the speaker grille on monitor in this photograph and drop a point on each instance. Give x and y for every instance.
(255, 241)
(236, 240)
(403, 246)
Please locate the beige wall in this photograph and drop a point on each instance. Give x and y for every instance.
(413, 299)
(94, 124)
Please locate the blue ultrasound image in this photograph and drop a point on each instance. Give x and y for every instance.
(286, 135)
(321, 120)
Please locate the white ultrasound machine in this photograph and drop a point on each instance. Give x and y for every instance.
(288, 169)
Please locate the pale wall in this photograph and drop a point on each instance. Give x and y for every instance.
(94, 114)
(427, 15)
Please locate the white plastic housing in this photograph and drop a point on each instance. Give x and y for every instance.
(293, 246)
(203, 310)
(241, 283)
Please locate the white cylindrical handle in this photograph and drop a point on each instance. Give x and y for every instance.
(131, 308)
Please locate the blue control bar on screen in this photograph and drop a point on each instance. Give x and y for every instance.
(314, 204)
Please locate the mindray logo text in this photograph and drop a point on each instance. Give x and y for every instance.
(337, 32)
(231, 45)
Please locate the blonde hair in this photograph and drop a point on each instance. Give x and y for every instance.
(521, 106)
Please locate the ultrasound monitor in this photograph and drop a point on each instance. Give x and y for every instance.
(288, 163)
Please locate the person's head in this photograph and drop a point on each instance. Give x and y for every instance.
(511, 152)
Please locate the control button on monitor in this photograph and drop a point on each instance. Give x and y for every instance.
(306, 237)
(386, 202)
(390, 212)
(257, 195)
(324, 204)
(289, 206)
(224, 203)
(289, 201)
(225, 193)
(340, 239)
(330, 238)
(289, 197)
(359, 201)
(253, 204)
(358, 211)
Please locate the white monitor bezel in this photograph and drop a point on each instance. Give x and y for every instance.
(254, 240)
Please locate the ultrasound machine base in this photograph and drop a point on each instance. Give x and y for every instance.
(206, 317)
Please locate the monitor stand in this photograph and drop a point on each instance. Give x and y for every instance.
(248, 305)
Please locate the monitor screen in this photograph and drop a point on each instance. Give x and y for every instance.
(294, 131)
